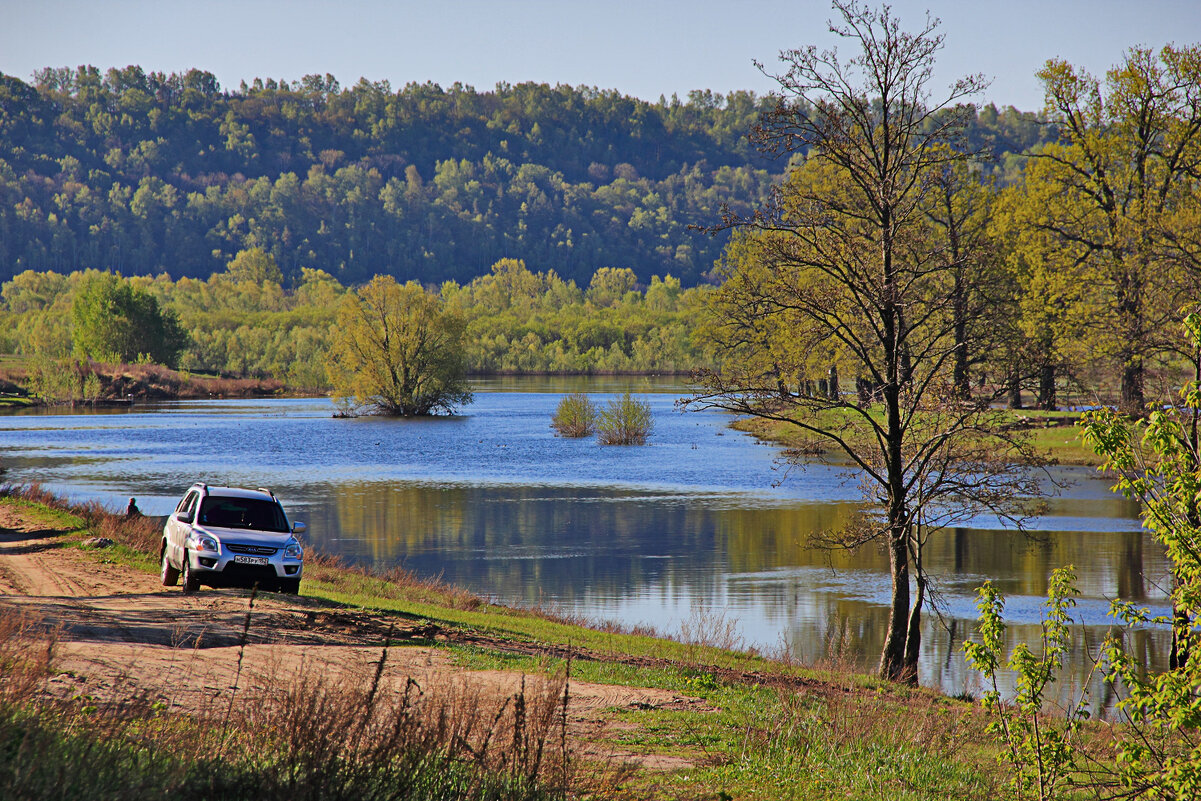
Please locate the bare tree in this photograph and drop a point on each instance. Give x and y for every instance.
(848, 266)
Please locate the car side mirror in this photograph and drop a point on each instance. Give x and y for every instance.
(181, 517)
(298, 527)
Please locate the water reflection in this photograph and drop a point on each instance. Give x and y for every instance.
(699, 520)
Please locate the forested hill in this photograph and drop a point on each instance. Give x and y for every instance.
(145, 173)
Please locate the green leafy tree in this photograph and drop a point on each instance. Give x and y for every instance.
(396, 351)
(1157, 460)
(1156, 754)
(113, 321)
(255, 265)
(850, 266)
(1109, 196)
(1041, 752)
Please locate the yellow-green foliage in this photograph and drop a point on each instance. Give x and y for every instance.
(625, 421)
(243, 322)
(575, 416)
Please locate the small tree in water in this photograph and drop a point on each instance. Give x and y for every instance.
(397, 352)
(625, 421)
(575, 416)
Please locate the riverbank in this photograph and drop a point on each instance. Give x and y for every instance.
(1052, 433)
(100, 384)
(614, 714)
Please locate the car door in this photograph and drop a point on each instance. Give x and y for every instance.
(179, 524)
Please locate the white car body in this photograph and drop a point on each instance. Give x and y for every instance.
(231, 537)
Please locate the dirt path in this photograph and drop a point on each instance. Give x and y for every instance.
(119, 631)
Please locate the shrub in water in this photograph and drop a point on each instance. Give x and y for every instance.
(625, 421)
(575, 416)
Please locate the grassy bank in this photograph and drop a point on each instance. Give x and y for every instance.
(26, 382)
(1052, 433)
(745, 727)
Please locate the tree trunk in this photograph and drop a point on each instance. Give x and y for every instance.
(1047, 399)
(833, 383)
(913, 639)
(1015, 390)
(863, 388)
(961, 379)
(1133, 401)
(1181, 626)
(893, 656)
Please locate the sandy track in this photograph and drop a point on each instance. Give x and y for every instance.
(120, 632)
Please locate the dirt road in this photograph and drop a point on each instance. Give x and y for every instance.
(119, 631)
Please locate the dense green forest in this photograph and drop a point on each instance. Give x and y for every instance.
(150, 173)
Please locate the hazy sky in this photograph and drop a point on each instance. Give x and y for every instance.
(644, 48)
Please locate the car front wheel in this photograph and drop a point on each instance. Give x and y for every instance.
(289, 586)
(168, 574)
(191, 584)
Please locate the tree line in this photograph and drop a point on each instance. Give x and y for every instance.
(143, 173)
(244, 322)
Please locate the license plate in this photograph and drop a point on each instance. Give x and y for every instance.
(251, 560)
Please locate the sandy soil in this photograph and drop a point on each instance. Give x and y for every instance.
(119, 631)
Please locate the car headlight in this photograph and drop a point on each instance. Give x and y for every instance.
(293, 550)
(206, 543)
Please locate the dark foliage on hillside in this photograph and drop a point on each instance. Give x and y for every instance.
(146, 172)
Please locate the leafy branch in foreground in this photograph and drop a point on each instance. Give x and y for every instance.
(1158, 462)
(1041, 753)
(1157, 754)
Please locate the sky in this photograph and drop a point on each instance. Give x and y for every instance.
(645, 49)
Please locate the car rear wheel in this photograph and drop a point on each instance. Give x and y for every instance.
(168, 574)
(191, 584)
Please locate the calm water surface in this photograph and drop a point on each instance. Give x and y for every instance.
(704, 526)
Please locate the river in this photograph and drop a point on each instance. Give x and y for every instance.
(703, 531)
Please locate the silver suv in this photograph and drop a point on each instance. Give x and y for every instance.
(230, 537)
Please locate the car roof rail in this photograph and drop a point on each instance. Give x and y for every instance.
(269, 492)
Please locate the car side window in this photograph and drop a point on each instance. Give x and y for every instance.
(187, 507)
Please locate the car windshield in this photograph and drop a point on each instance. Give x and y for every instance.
(252, 513)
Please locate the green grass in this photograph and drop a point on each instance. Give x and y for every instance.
(1054, 434)
(15, 401)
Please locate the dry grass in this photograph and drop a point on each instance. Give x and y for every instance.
(301, 734)
(26, 654)
(139, 533)
(395, 583)
(121, 382)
